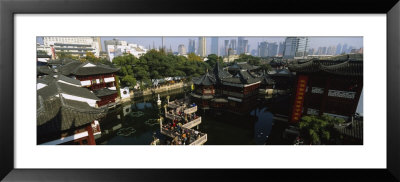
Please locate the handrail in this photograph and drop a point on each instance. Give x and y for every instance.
(190, 110)
(192, 123)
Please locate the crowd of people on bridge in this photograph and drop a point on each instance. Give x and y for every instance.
(182, 136)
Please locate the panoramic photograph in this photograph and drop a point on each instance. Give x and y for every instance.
(199, 90)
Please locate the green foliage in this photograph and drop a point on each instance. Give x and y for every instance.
(194, 57)
(117, 85)
(212, 60)
(63, 55)
(265, 67)
(249, 59)
(318, 129)
(155, 65)
(41, 52)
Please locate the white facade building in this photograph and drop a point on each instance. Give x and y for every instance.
(118, 50)
(73, 45)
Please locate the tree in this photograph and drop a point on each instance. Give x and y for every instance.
(194, 57)
(318, 129)
(212, 59)
(155, 65)
(129, 80)
(249, 59)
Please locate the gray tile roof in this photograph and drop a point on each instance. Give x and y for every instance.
(103, 92)
(57, 114)
(206, 80)
(55, 88)
(47, 79)
(242, 77)
(44, 70)
(77, 68)
(348, 68)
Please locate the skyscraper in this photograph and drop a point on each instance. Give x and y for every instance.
(339, 49)
(344, 49)
(202, 47)
(214, 46)
(331, 50)
(263, 49)
(226, 46)
(233, 45)
(192, 46)
(281, 48)
(182, 49)
(295, 47)
(272, 49)
(242, 45)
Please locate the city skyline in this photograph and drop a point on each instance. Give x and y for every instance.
(175, 41)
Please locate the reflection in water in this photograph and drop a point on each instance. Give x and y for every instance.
(136, 122)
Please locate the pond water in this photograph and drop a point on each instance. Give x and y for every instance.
(135, 123)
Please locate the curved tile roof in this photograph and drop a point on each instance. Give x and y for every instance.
(206, 80)
(348, 68)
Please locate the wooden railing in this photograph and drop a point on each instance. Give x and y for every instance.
(190, 110)
(172, 116)
(192, 123)
(200, 141)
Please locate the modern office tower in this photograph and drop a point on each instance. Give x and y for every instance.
(281, 48)
(295, 47)
(349, 49)
(254, 52)
(339, 49)
(272, 49)
(311, 51)
(182, 49)
(233, 45)
(263, 49)
(202, 47)
(344, 48)
(214, 46)
(331, 50)
(192, 46)
(242, 45)
(321, 51)
(226, 46)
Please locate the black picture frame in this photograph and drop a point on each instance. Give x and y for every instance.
(9, 8)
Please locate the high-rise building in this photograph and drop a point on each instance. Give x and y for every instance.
(202, 47)
(295, 47)
(192, 46)
(214, 46)
(226, 47)
(263, 49)
(311, 51)
(242, 46)
(321, 51)
(339, 49)
(281, 48)
(331, 50)
(233, 45)
(344, 48)
(182, 49)
(272, 49)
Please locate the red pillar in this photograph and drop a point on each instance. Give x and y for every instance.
(91, 140)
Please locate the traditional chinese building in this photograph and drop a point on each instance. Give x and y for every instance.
(220, 90)
(327, 87)
(99, 78)
(64, 121)
(66, 113)
(237, 66)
